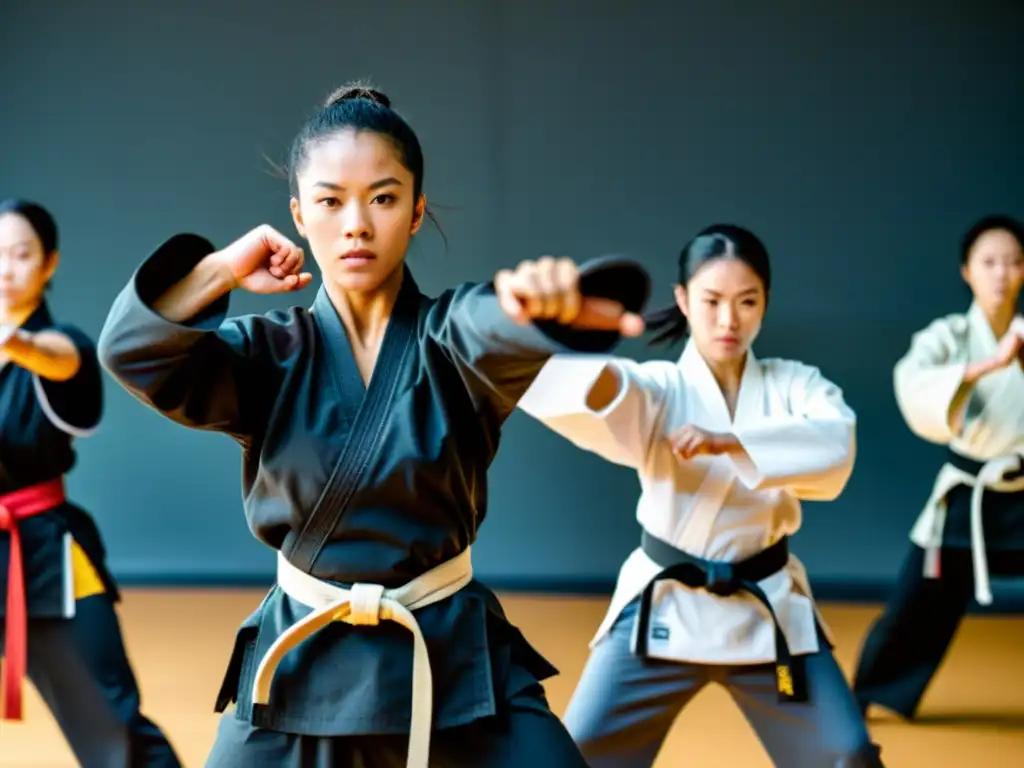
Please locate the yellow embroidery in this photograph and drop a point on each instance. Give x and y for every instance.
(785, 680)
(87, 580)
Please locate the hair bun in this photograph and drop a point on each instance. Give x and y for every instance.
(357, 91)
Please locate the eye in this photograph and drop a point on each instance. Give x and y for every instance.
(711, 302)
(328, 202)
(384, 198)
(749, 302)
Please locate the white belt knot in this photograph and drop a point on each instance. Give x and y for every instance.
(368, 605)
(991, 476)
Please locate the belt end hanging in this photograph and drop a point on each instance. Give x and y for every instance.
(933, 562)
(791, 681)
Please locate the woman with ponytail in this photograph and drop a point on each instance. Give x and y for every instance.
(726, 446)
(367, 424)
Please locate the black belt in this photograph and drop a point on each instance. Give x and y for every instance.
(973, 467)
(724, 580)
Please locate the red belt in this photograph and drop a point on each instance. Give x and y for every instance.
(16, 506)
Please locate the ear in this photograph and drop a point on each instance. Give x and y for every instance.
(418, 214)
(50, 265)
(965, 274)
(296, 210)
(680, 294)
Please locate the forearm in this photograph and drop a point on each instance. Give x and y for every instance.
(813, 458)
(47, 354)
(977, 370)
(208, 281)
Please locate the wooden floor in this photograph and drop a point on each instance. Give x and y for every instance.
(974, 713)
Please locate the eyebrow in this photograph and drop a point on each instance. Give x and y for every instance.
(390, 181)
(745, 292)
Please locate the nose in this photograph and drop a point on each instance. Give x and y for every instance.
(6, 265)
(726, 316)
(356, 224)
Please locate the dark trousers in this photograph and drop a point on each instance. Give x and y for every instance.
(524, 734)
(908, 642)
(81, 670)
(624, 706)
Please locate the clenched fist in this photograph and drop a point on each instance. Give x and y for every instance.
(548, 289)
(264, 261)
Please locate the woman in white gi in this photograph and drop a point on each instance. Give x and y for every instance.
(960, 385)
(725, 446)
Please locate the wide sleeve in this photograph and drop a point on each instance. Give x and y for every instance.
(499, 358)
(75, 405)
(928, 384)
(809, 448)
(621, 431)
(207, 373)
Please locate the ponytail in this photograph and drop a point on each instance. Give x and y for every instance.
(669, 324)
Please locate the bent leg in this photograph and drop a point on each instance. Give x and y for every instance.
(82, 672)
(828, 731)
(623, 706)
(905, 646)
(525, 733)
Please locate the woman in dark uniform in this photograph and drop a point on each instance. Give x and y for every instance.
(367, 423)
(59, 625)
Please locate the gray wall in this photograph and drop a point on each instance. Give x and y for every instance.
(858, 141)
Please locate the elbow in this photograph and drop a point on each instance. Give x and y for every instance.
(833, 481)
(109, 354)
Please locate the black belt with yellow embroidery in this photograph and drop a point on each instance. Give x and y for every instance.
(724, 580)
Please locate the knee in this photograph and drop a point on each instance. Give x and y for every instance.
(866, 756)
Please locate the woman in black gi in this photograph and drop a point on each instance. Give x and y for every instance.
(367, 425)
(58, 624)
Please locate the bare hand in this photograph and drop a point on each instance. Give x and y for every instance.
(548, 289)
(264, 261)
(693, 441)
(1010, 345)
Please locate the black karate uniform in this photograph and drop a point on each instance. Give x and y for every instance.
(285, 385)
(77, 663)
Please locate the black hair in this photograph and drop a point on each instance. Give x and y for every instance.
(988, 224)
(40, 219)
(719, 241)
(360, 107)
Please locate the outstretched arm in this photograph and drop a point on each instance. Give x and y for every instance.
(501, 334)
(609, 406)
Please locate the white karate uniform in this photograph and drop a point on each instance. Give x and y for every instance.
(800, 437)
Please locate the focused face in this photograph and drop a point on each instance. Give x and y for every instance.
(25, 268)
(995, 269)
(356, 209)
(724, 303)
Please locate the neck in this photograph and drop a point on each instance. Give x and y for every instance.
(16, 315)
(365, 314)
(728, 374)
(1000, 316)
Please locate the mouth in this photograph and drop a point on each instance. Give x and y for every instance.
(728, 340)
(362, 256)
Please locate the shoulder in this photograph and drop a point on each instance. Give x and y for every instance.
(948, 329)
(794, 375)
(439, 307)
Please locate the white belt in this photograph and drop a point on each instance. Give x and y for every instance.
(369, 604)
(990, 477)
